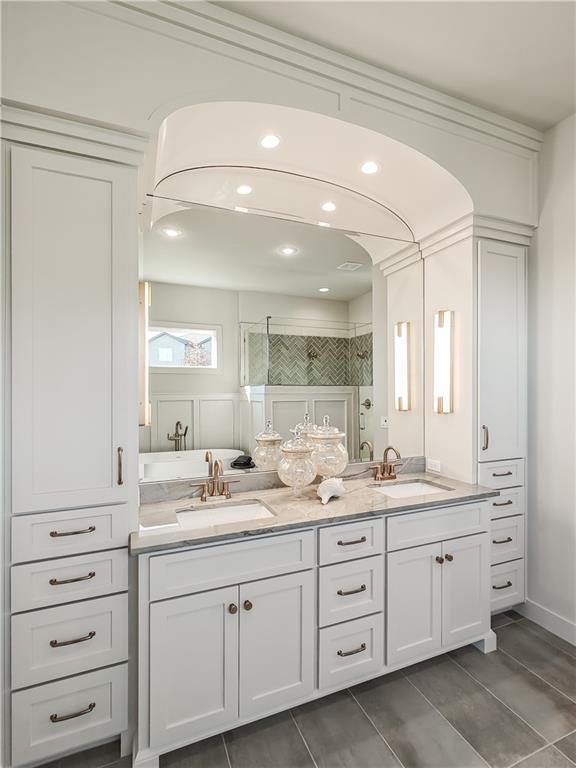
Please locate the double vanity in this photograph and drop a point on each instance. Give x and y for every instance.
(283, 600)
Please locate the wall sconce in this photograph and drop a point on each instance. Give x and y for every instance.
(443, 324)
(402, 366)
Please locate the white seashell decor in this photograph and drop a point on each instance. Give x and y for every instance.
(333, 486)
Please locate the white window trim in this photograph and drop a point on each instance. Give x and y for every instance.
(190, 371)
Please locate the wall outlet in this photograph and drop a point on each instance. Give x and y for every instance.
(433, 465)
(384, 422)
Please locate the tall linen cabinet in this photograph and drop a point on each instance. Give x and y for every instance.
(71, 288)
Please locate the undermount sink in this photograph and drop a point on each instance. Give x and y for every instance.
(410, 488)
(221, 514)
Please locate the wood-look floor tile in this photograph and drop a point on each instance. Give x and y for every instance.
(500, 620)
(543, 707)
(557, 642)
(544, 659)
(546, 758)
(418, 734)
(209, 753)
(270, 743)
(567, 745)
(339, 735)
(489, 726)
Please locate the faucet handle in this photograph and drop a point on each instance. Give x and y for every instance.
(204, 487)
(225, 488)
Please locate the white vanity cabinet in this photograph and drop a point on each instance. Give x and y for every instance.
(231, 653)
(438, 592)
(74, 304)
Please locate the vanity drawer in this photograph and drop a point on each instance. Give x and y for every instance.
(350, 651)
(206, 568)
(50, 582)
(350, 540)
(54, 534)
(413, 529)
(349, 590)
(510, 502)
(501, 474)
(507, 585)
(507, 539)
(68, 639)
(89, 708)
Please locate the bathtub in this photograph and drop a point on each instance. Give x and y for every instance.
(174, 465)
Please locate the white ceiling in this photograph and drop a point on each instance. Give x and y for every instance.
(236, 251)
(514, 58)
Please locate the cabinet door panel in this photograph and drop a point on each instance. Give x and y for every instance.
(276, 642)
(465, 588)
(414, 580)
(501, 350)
(193, 666)
(74, 315)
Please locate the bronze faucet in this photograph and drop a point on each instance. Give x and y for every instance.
(210, 461)
(388, 472)
(368, 444)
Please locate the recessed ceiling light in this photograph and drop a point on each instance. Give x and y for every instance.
(323, 224)
(171, 232)
(324, 290)
(288, 250)
(270, 141)
(240, 209)
(370, 167)
(328, 207)
(244, 189)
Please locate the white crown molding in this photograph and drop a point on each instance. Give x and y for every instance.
(467, 227)
(235, 36)
(24, 125)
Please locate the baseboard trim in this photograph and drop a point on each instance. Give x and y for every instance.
(551, 621)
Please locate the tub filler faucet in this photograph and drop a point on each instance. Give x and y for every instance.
(179, 437)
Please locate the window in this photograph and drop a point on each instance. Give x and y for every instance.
(183, 348)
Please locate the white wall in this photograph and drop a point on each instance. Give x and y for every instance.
(254, 306)
(360, 308)
(450, 283)
(380, 363)
(551, 589)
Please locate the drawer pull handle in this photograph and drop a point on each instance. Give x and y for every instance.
(120, 480)
(58, 582)
(449, 558)
(353, 651)
(501, 474)
(507, 540)
(343, 592)
(61, 643)
(56, 534)
(502, 503)
(361, 540)
(486, 441)
(60, 718)
(503, 586)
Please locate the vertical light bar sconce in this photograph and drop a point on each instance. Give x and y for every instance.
(443, 325)
(402, 366)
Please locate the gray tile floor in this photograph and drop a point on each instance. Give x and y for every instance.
(515, 707)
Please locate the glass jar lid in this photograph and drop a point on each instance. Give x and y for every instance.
(296, 446)
(269, 435)
(306, 427)
(327, 432)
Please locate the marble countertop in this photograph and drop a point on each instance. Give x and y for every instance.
(159, 528)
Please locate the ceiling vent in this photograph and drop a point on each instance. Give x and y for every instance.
(350, 266)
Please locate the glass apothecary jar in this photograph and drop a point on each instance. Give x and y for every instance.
(306, 429)
(267, 452)
(296, 468)
(329, 453)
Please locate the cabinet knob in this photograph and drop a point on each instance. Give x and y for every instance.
(449, 558)
(247, 605)
(439, 559)
(232, 608)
